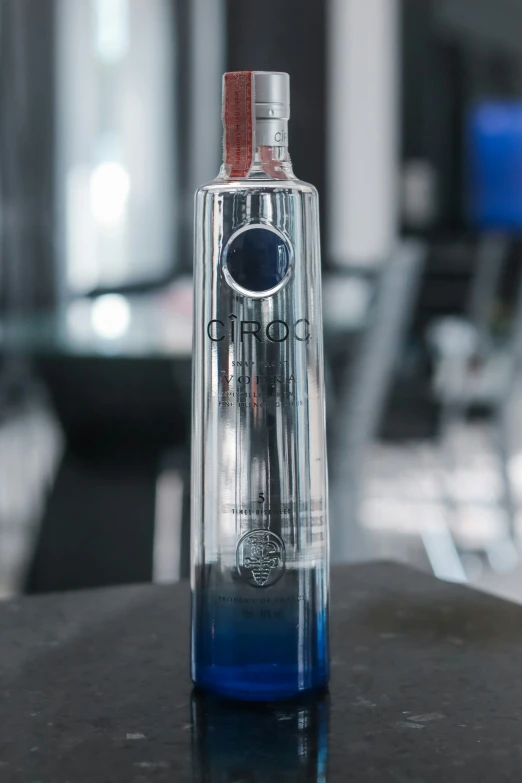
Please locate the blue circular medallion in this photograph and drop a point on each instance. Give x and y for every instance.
(257, 259)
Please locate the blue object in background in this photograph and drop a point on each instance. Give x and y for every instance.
(494, 185)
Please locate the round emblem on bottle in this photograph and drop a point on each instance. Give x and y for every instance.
(257, 261)
(260, 558)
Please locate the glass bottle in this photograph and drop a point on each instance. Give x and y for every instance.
(259, 474)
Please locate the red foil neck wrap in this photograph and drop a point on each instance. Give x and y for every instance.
(238, 122)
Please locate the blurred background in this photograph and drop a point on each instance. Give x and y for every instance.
(407, 116)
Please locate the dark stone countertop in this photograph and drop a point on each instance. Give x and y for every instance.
(426, 685)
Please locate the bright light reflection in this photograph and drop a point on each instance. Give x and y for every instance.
(515, 473)
(110, 316)
(111, 29)
(110, 187)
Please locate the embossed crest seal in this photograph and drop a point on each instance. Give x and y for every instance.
(260, 558)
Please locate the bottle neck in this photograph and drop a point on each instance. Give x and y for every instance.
(270, 161)
(256, 108)
(273, 162)
(271, 156)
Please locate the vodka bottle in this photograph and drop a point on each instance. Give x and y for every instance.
(259, 475)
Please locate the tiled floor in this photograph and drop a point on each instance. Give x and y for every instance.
(441, 506)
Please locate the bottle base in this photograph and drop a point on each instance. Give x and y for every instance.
(257, 683)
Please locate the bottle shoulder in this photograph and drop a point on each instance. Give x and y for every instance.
(220, 186)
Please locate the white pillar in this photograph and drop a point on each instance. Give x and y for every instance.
(115, 142)
(207, 64)
(362, 130)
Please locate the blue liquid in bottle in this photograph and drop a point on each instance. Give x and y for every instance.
(265, 646)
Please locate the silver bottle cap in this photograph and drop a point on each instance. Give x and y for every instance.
(272, 95)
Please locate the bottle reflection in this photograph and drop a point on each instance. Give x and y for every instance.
(272, 743)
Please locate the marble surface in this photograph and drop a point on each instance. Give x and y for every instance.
(94, 686)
